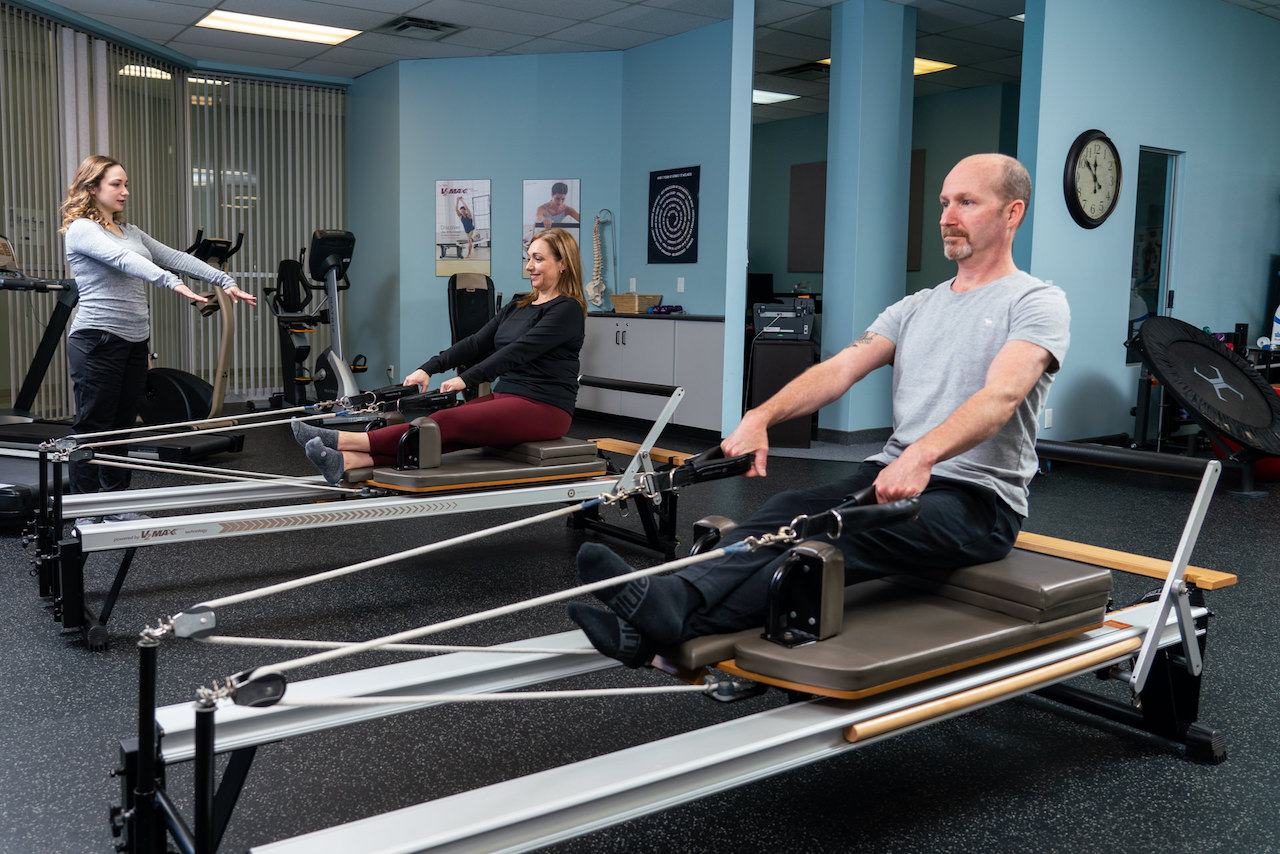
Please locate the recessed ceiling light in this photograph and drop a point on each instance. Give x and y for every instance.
(763, 96)
(279, 28)
(928, 66)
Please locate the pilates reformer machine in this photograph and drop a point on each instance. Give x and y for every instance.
(859, 664)
(423, 484)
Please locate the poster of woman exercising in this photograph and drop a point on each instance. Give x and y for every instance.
(463, 227)
(551, 203)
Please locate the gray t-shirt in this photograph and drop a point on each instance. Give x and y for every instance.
(112, 273)
(944, 343)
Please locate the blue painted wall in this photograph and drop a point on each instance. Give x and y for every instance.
(606, 118)
(775, 148)
(949, 127)
(675, 96)
(1201, 79)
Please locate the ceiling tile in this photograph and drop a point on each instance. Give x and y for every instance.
(939, 16)
(1002, 33)
(816, 24)
(554, 46)
(956, 51)
(467, 14)
(139, 10)
(605, 38)
(482, 39)
(721, 10)
(791, 44)
(154, 31)
(231, 56)
(245, 42)
(772, 11)
(580, 10)
(332, 68)
(407, 48)
(667, 22)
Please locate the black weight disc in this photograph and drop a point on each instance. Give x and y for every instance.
(1211, 381)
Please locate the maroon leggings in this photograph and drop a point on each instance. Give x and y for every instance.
(494, 419)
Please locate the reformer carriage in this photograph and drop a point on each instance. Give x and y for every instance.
(894, 654)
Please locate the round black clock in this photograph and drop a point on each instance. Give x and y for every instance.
(1091, 179)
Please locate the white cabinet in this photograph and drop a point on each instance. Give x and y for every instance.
(650, 350)
(699, 368)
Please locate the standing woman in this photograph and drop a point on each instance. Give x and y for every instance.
(532, 344)
(112, 263)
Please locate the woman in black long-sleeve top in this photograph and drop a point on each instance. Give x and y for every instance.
(532, 344)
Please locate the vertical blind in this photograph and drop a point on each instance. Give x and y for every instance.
(219, 152)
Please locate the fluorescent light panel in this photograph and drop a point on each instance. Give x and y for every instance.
(918, 66)
(928, 66)
(279, 28)
(764, 96)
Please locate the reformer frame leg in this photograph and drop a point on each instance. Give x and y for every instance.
(658, 524)
(71, 608)
(1168, 706)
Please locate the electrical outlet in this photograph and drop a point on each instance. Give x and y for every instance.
(1048, 418)
(679, 284)
(391, 372)
(633, 284)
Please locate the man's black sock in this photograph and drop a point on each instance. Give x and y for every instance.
(611, 635)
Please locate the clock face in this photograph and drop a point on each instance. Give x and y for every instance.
(1092, 178)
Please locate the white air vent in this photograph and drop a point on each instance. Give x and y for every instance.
(420, 28)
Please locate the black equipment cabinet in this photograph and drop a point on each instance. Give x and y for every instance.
(773, 365)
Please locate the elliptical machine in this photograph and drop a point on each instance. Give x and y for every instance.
(328, 256)
(172, 395)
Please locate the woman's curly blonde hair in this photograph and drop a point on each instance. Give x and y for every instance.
(80, 203)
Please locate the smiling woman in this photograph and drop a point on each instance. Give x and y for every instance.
(532, 344)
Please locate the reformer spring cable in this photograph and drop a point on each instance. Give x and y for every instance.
(226, 428)
(230, 475)
(220, 420)
(749, 544)
(567, 694)
(296, 583)
(420, 648)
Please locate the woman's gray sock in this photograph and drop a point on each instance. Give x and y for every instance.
(327, 460)
(304, 432)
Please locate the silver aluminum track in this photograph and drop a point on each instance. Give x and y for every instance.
(201, 495)
(561, 803)
(104, 536)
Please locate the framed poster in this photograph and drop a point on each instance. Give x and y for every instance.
(463, 226)
(673, 215)
(551, 203)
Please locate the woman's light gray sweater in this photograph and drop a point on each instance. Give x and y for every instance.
(112, 272)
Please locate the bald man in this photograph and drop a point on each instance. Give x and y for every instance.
(972, 361)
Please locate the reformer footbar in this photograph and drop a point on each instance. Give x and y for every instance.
(560, 802)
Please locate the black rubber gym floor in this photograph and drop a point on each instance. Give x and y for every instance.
(1022, 775)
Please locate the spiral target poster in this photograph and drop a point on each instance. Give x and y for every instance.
(673, 215)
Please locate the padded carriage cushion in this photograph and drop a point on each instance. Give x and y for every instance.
(907, 626)
(552, 452)
(1030, 586)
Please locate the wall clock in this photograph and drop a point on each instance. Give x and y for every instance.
(1091, 179)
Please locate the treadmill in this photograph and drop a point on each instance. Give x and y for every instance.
(21, 432)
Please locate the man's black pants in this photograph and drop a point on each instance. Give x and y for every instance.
(959, 524)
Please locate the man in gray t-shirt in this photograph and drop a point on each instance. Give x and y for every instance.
(972, 362)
